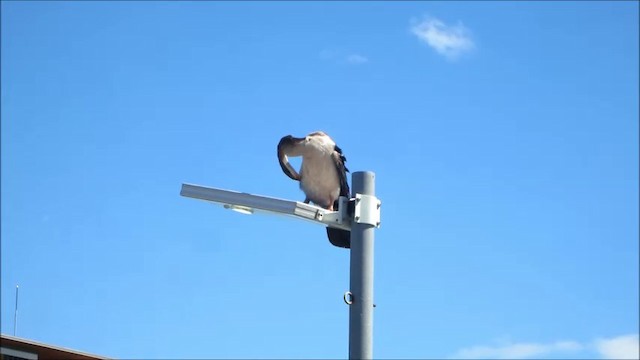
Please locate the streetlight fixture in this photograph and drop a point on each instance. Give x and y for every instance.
(362, 222)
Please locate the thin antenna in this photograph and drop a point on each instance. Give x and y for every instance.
(15, 315)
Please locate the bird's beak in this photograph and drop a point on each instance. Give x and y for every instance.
(294, 140)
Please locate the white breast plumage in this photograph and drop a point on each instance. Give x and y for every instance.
(319, 179)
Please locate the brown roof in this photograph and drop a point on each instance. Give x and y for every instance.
(44, 351)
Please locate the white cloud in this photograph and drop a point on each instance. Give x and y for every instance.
(450, 41)
(516, 351)
(618, 348)
(343, 57)
(621, 347)
(357, 59)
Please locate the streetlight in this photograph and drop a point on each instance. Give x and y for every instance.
(362, 223)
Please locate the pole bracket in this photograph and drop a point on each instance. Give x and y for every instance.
(367, 210)
(348, 298)
(336, 219)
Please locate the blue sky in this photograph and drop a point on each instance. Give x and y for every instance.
(504, 138)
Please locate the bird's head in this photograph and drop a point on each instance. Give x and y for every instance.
(319, 141)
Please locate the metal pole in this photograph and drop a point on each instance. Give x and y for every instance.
(15, 314)
(361, 277)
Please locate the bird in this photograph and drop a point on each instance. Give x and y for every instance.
(322, 176)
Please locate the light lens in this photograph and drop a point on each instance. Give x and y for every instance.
(240, 209)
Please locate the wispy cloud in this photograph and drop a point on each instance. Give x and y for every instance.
(449, 41)
(338, 56)
(516, 351)
(327, 54)
(357, 59)
(621, 347)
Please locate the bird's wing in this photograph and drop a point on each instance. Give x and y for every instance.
(338, 237)
(339, 160)
(288, 146)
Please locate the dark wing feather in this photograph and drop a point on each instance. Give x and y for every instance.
(338, 237)
(339, 160)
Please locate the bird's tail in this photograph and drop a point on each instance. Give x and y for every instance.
(338, 237)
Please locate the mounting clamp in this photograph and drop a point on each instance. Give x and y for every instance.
(336, 219)
(367, 210)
